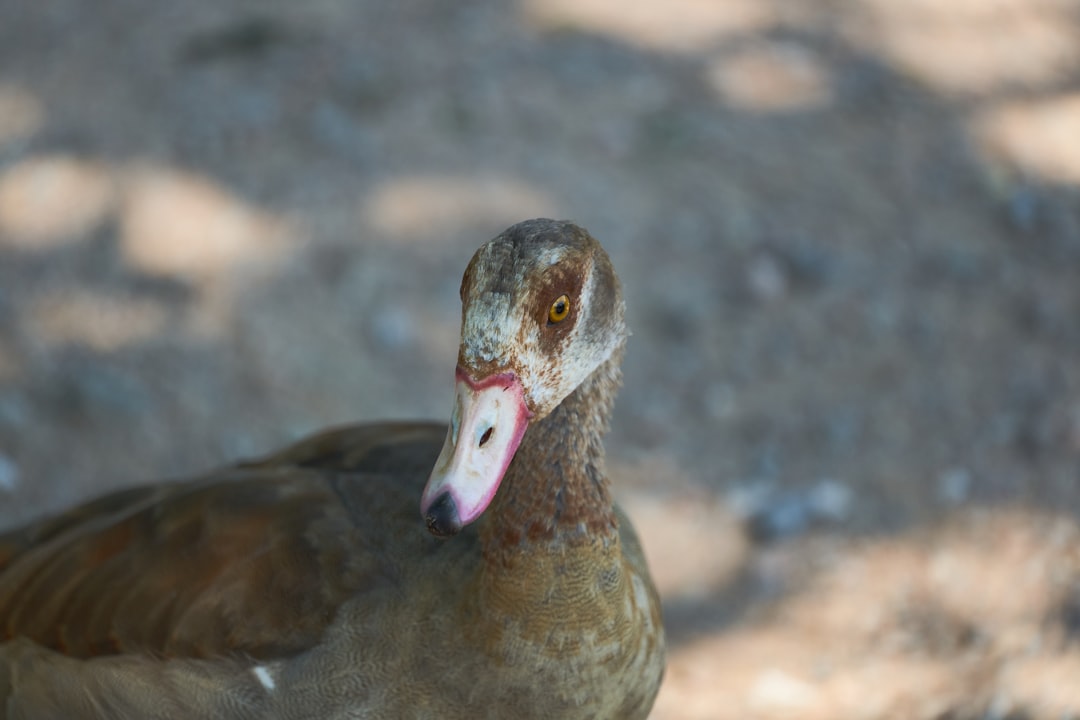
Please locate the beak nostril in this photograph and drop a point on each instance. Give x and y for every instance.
(486, 436)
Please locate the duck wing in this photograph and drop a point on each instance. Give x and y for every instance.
(251, 560)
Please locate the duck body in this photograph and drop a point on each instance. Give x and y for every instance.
(304, 585)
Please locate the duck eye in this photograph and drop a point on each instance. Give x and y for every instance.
(559, 309)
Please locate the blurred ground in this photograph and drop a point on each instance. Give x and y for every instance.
(849, 232)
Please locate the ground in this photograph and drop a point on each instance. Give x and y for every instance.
(848, 233)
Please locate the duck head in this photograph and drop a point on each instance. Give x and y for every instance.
(541, 310)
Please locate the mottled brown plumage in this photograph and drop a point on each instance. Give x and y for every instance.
(306, 584)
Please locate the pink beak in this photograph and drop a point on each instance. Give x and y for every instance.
(488, 422)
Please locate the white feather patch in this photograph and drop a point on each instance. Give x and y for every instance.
(552, 256)
(262, 674)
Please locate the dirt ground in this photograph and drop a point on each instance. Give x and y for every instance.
(848, 231)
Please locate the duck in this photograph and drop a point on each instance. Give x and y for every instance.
(306, 584)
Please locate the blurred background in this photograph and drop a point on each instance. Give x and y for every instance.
(848, 233)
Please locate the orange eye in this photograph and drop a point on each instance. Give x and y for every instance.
(559, 309)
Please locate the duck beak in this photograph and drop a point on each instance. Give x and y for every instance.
(488, 422)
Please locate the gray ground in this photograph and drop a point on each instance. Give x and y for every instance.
(848, 231)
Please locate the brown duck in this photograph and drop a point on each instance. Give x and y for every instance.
(305, 585)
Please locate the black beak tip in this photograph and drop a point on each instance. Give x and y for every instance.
(442, 517)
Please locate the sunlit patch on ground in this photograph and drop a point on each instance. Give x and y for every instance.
(971, 617)
(421, 207)
(772, 78)
(188, 226)
(971, 47)
(668, 525)
(1044, 682)
(48, 201)
(683, 25)
(1040, 138)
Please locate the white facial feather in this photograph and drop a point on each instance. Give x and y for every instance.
(490, 329)
(499, 331)
(504, 324)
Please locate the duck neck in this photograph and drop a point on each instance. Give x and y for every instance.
(556, 489)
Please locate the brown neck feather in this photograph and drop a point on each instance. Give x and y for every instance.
(556, 489)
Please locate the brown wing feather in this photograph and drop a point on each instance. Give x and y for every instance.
(252, 560)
